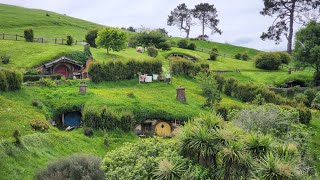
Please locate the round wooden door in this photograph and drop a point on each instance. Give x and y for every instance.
(163, 129)
(63, 70)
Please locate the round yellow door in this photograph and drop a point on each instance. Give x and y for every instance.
(163, 129)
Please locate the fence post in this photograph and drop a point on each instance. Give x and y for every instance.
(76, 42)
(62, 41)
(2, 35)
(55, 40)
(42, 40)
(16, 37)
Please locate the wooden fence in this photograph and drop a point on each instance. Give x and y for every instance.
(62, 41)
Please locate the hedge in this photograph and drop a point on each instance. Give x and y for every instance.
(181, 66)
(10, 80)
(113, 71)
(33, 78)
(107, 119)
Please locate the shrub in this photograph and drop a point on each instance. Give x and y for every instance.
(4, 86)
(305, 115)
(107, 119)
(46, 82)
(14, 80)
(268, 61)
(5, 59)
(192, 46)
(133, 42)
(77, 56)
(33, 78)
(301, 98)
(231, 84)
(16, 135)
(220, 81)
(28, 35)
(91, 38)
(69, 40)
(74, 167)
(165, 46)
(183, 43)
(113, 71)
(245, 56)
(209, 88)
(39, 125)
(181, 66)
(311, 94)
(238, 56)
(88, 132)
(284, 57)
(214, 54)
(152, 51)
(316, 102)
(245, 92)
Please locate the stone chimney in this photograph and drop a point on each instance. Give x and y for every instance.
(181, 94)
(82, 88)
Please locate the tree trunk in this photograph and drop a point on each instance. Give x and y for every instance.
(203, 28)
(188, 32)
(290, 37)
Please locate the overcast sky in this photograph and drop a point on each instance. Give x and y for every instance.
(240, 20)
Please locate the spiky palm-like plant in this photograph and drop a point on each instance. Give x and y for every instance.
(169, 171)
(274, 168)
(259, 144)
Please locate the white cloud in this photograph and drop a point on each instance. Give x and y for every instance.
(239, 20)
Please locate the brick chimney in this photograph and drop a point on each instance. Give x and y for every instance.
(181, 94)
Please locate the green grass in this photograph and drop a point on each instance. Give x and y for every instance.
(14, 20)
(43, 148)
(315, 143)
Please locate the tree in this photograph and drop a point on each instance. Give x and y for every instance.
(287, 13)
(151, 38)
(111, 38)
(208, 17)
(91, 37)
(209, 87)
(181, 17)
(28, 35)
(307, 48)
(69, 40)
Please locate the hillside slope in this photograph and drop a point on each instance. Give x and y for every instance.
(46, 24)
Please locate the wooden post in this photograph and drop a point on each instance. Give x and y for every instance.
(42, 40)
(16, 37)
(2, 35)
(55, 40)
(62, 41)
(76, 42)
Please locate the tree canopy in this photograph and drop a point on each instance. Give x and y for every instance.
(111, 38)
(208, 16)
(286, 13)
(307, 47)
(181, 17)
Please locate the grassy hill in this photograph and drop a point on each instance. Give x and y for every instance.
(17, 111)
(14, 20)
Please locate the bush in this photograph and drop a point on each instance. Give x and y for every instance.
(245, 56)
(181, 66)
(183, 43)
(69, 40)
(113, 71)
(192, 46)
(133, 42)
(107, 119)
(46, 82)
(28, 35)
(301, 98)
(91, 38)
(77, 56)
(4, 86)
(238, 56)
(39, 125)
(14, 80)
(209, 88)
(316, 102)
(284, 57)
(220, 81)
(152, 51)
(33, 78)
(268, 61)
(231, 84)
(214, 54)
(245, 92)
(311, 93)
(5, 59)
(305, 115)
(74, 167)
(165, 46)
(88, 132)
